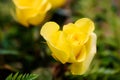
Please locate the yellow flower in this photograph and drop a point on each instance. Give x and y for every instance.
(31, 11)
(57, 3)
(75, 44)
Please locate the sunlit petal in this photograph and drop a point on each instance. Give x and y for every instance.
(85, 25)
(48, 29)
(70, 28)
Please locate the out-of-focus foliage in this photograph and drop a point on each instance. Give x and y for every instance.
(24, 50)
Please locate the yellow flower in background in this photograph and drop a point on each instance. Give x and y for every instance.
(75, 44)
(31, 11)
(57, 3)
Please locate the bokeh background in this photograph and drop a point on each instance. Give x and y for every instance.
(24, 50)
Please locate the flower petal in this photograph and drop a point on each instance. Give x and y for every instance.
(58, 54)
(49, 29)
(44, 7)
(81, 67)
(78, 54)
(77, 68)
(23, 3)
(75, 34)
(81, 56)
(85, 25)
(70, 28)
(29, 12)
(21, 17)
(58, 40)
(36, 19)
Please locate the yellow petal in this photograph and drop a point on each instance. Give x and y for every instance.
(39, 3)
(44, 7)
(81, 67)
(38, 16)
(35, 20)
(58, 40)
(85, 25)
(75, 35)
(25, 16)
(33, 13)
(58, 54)
(49, 29)
(77, 68)
(78, 54)
(21, 18)
(23, 3)
(76, 39)
(91, 45)
(81, 56)
(70, 28)
(30, 12)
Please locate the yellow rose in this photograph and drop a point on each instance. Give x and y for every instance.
(31, 11)
(75, 44)
(57, 3)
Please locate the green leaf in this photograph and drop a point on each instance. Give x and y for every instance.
(18, 76)
(9, 77)
(14, 77)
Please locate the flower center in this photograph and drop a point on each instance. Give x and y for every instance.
(75, 39)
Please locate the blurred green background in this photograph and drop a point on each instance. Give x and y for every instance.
(24, 50)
